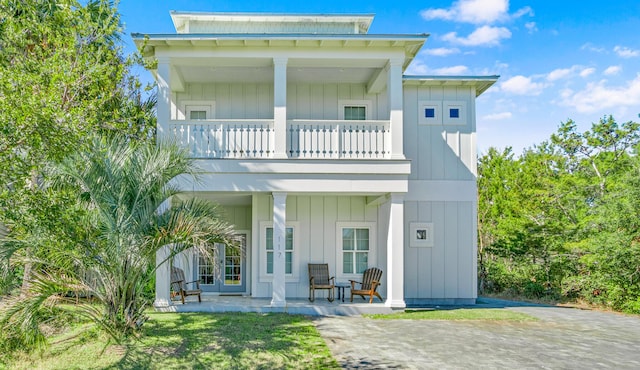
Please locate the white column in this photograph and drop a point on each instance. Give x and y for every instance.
(394, 90)
(279, 239)
(280, 107)
(164, 98)
(163, 277)
(395, 253)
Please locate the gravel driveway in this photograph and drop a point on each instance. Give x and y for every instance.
(563, 338)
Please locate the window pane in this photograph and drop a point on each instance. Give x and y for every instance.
(347, 262)
(361, 261)
(362, 236)
(454, 113)
(348, 239)
(269, 241)
(269, 262)
(430, 112)
(355, 113)
(198, 114)
(289, 239)
(288, 264)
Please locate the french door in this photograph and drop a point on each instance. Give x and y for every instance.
(225, 273)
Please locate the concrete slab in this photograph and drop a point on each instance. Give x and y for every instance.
(563, 338)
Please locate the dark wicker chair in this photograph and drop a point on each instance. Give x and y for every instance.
(319, 279)
(179, 285)
(370, 282)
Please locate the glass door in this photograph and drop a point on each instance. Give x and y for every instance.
(225, 272)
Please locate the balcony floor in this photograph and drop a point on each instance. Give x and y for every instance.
(320, 307)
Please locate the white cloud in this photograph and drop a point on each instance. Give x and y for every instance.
(612, 70)
(442, 52)
(598, 96)
(561, 73)
(454, 70)
(531, 26)
(470, 11)
(483, 36)
(521, 85)
(497, 116)
(590, 47)
(587, 72)
(625, 52)
(418, 67)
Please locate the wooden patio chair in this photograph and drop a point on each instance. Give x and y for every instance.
(179, 285)
(319, 279)
(370, 282)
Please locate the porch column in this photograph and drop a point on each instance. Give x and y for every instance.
(280, 107)
(163, 277)
(279, 240)
(394, 90)
(164, 98)
(395, 253)
(163, 267)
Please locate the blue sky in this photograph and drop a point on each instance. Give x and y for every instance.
(557, 59)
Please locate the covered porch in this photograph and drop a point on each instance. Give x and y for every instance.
(297, 306)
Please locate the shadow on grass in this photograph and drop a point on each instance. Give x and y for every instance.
(229, 340)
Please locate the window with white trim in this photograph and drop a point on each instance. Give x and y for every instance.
(354, 110)
(288, 247)
(455, 112)
(196, 110)
(429, 112)
(355, 250)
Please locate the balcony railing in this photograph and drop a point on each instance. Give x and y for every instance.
(306, 139)
(225, 138)
(338, 139)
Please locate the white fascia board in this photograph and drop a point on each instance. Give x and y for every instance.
(289, 183)
(305, 167)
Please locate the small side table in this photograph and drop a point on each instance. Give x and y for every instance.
(341, 287)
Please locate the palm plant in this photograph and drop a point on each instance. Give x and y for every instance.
(124, 210)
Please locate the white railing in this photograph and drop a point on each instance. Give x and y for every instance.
(338, 139)
(225, 138)
(306, 139)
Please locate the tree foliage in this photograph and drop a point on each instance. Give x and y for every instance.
(63, 78)
(106, 250)
(561, 219)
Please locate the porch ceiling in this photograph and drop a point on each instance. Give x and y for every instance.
(261, 72)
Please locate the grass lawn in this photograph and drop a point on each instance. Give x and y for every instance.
(487, 314)
(192, 341)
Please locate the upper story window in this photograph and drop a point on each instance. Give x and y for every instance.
(358, 113)
(198, 114)
(354, 110)
(196, 110)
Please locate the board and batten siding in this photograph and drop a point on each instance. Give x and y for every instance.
(316, 219)
(446, 272)
(304, 100)
(440, 151)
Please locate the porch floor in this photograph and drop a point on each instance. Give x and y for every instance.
(320, 307)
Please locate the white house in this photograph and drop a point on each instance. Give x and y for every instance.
(320, 150)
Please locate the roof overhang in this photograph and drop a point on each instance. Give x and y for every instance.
(481, 83)
(180, 18)
(410, 43)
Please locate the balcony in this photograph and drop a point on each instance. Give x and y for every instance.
(305, 139)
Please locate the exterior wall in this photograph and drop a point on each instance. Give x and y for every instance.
(315, 219)
(304, 100)
(270, 27)
(442, 192)
(440, 151)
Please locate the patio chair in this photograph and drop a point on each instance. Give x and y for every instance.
(369, 284)
(179, 285)
(319, 279)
